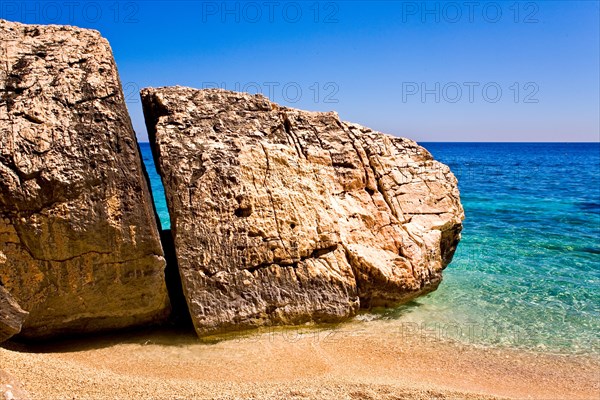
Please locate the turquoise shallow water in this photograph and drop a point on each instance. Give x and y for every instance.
(527, 271)
(158, 191)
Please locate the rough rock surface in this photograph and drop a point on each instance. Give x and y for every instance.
(79, 244)
(11, 316)
(285, 216)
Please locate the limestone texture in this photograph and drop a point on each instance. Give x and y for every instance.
(283, 216)
(79, 244)
(11, 316)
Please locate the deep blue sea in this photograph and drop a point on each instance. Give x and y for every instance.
(527, 271)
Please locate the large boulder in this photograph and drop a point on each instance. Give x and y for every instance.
(284, 216)
(79, 244)
(12, 316)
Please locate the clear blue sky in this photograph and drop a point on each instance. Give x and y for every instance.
(370, 61)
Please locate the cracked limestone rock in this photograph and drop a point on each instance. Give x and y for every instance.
(79, 244)
(283, 216)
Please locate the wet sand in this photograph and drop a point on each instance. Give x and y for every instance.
(358, 360)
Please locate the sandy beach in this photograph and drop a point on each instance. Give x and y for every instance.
(351, 361)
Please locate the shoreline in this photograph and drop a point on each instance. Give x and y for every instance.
(354, 360)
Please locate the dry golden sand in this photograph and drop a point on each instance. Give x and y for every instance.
(353, 361)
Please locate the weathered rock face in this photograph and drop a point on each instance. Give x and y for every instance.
(79, 245)
(284, 216)
(11, 316)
